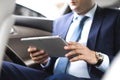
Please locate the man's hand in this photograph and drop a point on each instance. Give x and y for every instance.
(38, 56)
(81, 52)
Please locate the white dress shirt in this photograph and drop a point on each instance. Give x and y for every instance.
(79, 68)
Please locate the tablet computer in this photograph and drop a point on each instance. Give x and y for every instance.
(54, 45)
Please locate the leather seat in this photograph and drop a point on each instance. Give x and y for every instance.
(6, 21)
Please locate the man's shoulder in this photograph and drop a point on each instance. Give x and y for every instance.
(65, 16)
(110, 11)
(68, 14)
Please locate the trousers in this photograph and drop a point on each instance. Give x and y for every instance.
(12, 71)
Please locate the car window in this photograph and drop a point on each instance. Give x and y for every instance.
(24, 11)
(44, 8)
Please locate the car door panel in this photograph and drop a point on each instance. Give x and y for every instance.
(26, 27)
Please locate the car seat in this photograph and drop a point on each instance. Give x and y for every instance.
(6, 21)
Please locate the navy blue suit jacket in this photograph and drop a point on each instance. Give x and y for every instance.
(103, 37)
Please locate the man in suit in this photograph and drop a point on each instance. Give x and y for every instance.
(94, 50)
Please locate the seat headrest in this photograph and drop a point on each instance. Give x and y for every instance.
(6, 8)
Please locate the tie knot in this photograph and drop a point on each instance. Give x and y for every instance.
(84, 19)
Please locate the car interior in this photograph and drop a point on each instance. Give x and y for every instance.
(6, 22)
(34, 26)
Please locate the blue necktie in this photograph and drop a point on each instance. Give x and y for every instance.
(77, 32)
(61, 66)
(63, 62)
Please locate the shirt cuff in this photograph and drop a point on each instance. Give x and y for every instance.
(47, 64)
(105, 64)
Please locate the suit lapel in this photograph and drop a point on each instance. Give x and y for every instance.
(94, 31)
(66, 26)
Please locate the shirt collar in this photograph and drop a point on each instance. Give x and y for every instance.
(90, 13)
